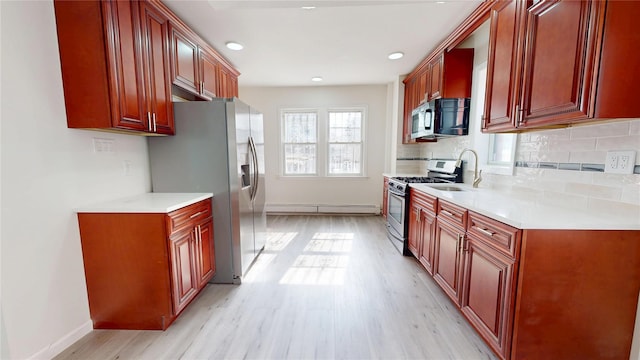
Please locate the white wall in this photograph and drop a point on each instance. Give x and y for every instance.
(47, 171)
(324, 191)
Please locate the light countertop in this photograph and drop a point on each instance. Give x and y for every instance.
(529, 214)
(146, 203)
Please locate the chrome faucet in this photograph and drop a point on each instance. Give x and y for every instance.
(477, 177)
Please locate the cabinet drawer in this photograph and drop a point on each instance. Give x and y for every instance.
(182, 218)
(425, 201)
(454, 214)
(502, 237)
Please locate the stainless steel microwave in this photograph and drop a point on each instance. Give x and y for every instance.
(440, 118)
(422, 122)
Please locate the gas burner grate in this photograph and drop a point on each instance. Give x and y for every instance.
(414, 179)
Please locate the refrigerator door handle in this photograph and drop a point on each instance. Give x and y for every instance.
(256, 178)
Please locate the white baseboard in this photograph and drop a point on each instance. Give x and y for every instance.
(59, 346)
(323, 209)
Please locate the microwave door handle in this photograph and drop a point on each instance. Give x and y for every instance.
(428, 120)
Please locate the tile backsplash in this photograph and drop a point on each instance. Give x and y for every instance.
(541, 158)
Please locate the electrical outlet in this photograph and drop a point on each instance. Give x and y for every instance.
(101, 145)
(620, 162)
(126, 167)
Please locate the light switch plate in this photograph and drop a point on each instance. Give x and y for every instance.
(620, 162)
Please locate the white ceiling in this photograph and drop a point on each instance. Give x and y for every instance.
(345, 42)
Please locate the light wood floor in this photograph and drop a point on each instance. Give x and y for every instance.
(330, 287)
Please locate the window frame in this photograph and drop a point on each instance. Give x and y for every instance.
(322, 141)
(283, 166)
(363, 111)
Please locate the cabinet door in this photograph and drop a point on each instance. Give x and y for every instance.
(156, 39)
(183, 261)
(447, 259)
(427, 231)
(436, 75)
(414, 229)
(488, 293)
(503, 66)
(208, 74)
(558, 62)
(227, 83)
(206, 266)
(126, 70)
(409, 105)
(184, 60)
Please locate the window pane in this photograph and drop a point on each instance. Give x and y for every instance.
(299, 159)
(345, 126)
(345, 159)
(300, 127)
(500, 148)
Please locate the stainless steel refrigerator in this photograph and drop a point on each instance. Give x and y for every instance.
(218, 148)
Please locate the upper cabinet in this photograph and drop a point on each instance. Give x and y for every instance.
(195, 67)
(119, 60)
(156, 64)
(554, 63)
(107, 62)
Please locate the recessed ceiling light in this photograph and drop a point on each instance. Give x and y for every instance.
(308, 7)
(234, 45)
(316, 78)
(440, 2)
(395, 55)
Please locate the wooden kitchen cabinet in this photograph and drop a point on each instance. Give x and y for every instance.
(422, 227)
(142, 269)
(489, 279)
(208, 74)
(450, 74)
(110, 52)
(503, 65)
(158, 87)
(447, 258)
(184, 60)
(539, 293)
(228, 82)
(554, 63)
(194, 67)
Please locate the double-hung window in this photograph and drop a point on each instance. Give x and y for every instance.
(345, 142)
(323, 142)
(300, 142)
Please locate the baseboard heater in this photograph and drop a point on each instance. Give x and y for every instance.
(321, 209)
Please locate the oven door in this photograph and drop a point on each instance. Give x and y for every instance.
(396, 208)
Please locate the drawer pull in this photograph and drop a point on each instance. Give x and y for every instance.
(484, 231)
(446, 213)
(196, 214)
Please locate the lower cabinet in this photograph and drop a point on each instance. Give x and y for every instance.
(448, 259)
(422, 227)
(489, 280)
(536, 294)
(142, 269)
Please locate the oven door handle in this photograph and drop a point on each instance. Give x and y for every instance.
(396, 192)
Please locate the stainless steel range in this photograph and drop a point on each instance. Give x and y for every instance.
(439, 171)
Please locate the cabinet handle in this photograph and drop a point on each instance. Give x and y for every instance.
(460, 242)
(155, 129)
(417, 211)
(445, 212)
(196, 214)
(149, 120)
(484, 231)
